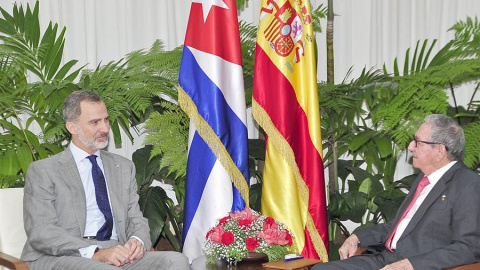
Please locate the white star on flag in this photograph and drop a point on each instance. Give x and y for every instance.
(207, 5)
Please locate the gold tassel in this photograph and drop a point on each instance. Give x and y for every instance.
(263, 119)
(215, 144)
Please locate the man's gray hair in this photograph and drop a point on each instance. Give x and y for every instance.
(449, 133)
(71, 105)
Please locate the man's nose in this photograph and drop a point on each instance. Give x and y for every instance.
(105, 127)
(411, 146)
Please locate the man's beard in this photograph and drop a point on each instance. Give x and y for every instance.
(92, 143)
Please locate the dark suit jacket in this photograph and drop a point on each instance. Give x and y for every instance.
(55, 205)
(445, 230)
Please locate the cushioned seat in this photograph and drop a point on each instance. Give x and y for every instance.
(12, 233)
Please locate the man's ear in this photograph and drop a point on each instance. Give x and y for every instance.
(442, 151)
(71, 127)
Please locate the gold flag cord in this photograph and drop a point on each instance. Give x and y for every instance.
(215, 144)
(264, 120)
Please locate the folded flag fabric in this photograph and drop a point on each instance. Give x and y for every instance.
(211, 92)
(286, 105)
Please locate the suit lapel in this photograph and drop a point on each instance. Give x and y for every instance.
(407, 200)
(69, 173)
(434, 194)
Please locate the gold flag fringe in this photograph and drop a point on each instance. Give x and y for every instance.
(264, 120)
(215, 144)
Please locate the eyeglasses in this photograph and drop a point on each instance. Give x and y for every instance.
(427, 142)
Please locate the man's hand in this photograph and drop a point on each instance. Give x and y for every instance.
(135, 248)
(349, 247)
(117, 255)
(400, 265)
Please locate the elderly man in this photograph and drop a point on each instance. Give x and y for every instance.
(438, 224)
(81, 207)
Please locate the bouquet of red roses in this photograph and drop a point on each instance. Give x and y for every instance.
(246, 231)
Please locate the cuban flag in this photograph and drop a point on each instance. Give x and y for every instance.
(211, 92)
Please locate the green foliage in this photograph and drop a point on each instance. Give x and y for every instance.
(31, 106)
(158, 208)
(162, 65)
(472, 155)
(319, 13)
(276, 252)
(129, 86)
(26, 106)
(162, 213)
(40, 55)
(422, 94)
(168, 133)
(241, 4)
(248, 40)
(368, 200)
(346, 128)
(427, 89)
(256, 157)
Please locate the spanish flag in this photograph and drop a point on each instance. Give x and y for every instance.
(285, 104)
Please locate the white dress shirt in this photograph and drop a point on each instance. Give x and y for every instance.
(95, 218)
(433, 179)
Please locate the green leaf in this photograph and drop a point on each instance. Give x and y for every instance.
(54, 55)
(64, 70)
(256, 148)
(256, 196)
(9, 162)
(146, 168)
(366, 186)
(24, 155)
(155, 205)
(357, 205)
(117, 138)
(384, 146)
(360, 140)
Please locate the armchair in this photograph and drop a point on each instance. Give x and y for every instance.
(12, 234)
(12, 263)
(473, 266)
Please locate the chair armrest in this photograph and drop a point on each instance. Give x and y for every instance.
(360, 250)
(473, 266)
(12, 262)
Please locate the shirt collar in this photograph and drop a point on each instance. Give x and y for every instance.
(79, 154)
(436, 175)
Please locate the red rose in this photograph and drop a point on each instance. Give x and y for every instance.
(269, 220)
(274, 236)
(227, 238)
(215, 234)
(244, 223)
(223, 220)
(209, 233)
(252, 243)
(289, 238)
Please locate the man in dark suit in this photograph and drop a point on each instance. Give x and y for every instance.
(81, 206)
(440, 226)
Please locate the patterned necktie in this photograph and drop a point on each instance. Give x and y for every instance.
(101, 194)
(423, 183)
